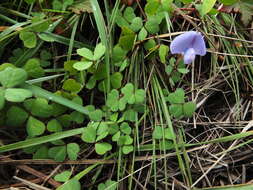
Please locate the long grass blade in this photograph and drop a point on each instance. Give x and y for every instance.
(103, 34)
(39, 92)
(40, 140)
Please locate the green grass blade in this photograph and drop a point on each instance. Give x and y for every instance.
(103, 34)
(40, 140)
(87, 170)
(7, 19)
(13, 28)
(42, 79)
(149, 147)
(72, 39)
(37, 91)
(14, 12)
(65, 41)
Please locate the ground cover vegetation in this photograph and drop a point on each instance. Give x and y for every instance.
(129, 94)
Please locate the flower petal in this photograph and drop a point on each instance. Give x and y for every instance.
(189, 56)
(183, 42)
(199, 45)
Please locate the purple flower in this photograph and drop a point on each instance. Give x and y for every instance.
(189, 44)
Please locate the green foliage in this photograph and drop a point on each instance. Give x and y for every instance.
(63, 176)
(16, 116)
(158, 132)
(34, 127)
(58, 153)
(99, 51)
(136, 24)
(228, 2)
(176, 110)
(128, 96)
(108, 185)
(129, 14)
(77, 117)
(17, 94)
(113, 100)
(189, 108)
(152, 25)
(39, 23)
(30, 1)
(89, 58)
(142, 34)
(41, 108)
(29, 39)
(127, 149)
(175, 71)
(130, 115)
(61, 5)
(177, 97)
(68, 67)
(179, 107)
(102, 132)
(92, 56)
(73, 150)
(72, 86)
(102, 148)
(54, 104)
(151, 7)
(11, 77)
(118, 53)
(125, 128)
(33, 68)
(116, 79)
(70, 184)
(207, 6)
(3, 66)
(82, 65)
(2, 98)
(129, 23)
(86, 53)
(41, 153)
(169, 135)
(96, 115)
(54, 126)
(150, 44)
(127, 38)
(65, 120)
(131, 96)
(186, 1)
(89, 134)
(16, 54)
(95, 132)
(163, 52)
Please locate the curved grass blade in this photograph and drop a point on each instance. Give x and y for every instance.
(103, 34)
(37, 91)
(42, 79)
(12, 28)
(65, 41)
(40, 140)
(71, 41)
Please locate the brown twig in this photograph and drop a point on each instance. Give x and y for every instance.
(33, 172)
(39, 174)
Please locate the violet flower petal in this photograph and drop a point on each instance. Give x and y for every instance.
(189, 44)
(182, 42)
(199, 45)
(189, 56)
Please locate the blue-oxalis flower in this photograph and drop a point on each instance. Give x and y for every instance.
(189, 44)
